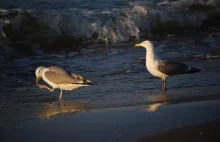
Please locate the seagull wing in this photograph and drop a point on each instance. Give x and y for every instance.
(171, 67)
(59, 76)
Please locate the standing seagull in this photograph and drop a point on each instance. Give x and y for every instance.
(163, 68)
(59, 78)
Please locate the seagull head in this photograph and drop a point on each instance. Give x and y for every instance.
(146, 44)
(38, 73)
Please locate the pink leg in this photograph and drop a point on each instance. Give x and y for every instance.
(44, 86)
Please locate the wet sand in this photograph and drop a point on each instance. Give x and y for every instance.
(123, 124)
(200, 133)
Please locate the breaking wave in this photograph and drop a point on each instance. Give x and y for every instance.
(131, 21)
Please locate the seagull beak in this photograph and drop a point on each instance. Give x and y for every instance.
(137, 45)
(37, 80)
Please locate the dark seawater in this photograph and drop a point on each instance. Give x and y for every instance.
(103, 21)
(96, 40)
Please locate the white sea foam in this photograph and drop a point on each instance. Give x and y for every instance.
(119, 23)
(187, 3)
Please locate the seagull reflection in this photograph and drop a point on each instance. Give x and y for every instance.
(161, 99)
(61, 107)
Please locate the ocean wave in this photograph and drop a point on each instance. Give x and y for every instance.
(110, 25)
(197, 3)
(207, 56)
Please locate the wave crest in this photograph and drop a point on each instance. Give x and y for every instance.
(103, 26)
(112, 25)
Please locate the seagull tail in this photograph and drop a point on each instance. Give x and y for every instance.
(194, 70)
(92, 84)
(84, 80)
(88, 82)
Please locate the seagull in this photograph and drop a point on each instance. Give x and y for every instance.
(58, 78)
(163, 68)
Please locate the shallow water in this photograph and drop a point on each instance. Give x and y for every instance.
(120, 72)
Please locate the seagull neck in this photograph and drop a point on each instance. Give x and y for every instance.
(150, 56)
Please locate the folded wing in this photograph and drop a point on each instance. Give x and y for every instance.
(59, 76)
(172, 67)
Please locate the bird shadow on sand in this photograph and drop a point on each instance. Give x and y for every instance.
(60, 107)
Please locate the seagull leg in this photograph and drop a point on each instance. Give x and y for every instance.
(61, 92)
(41, 86)
(163, 84)
(44, 86)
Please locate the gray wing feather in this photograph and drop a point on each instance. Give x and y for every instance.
(171, 67)
(59, 76)
(57, 70)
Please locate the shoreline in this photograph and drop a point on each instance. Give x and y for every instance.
(125, 124)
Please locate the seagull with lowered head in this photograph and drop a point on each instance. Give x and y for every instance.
(58, 78)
